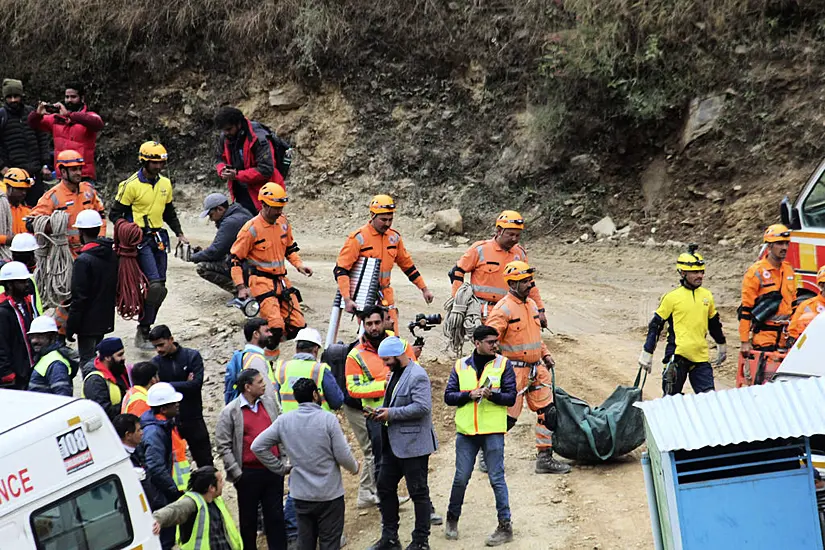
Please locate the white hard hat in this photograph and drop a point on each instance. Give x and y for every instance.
(14, 271)
(88, 219)
(24, 242)
(309, 335)
(42, 325)
(162, 393)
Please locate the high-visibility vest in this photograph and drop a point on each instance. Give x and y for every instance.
(288, 372)
(115, 396)
(180, 464)
(135, 395)
(38, 303)
(199, 538)
(43, 365)
(483, 416)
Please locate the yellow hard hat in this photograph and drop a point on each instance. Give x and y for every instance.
(69, 157)
(777, 233)
(517, 271)
(382, 204)
(820, 275)
(690, 261)
(152, 150)
(17, 177)
(510, 219)
(273, 194)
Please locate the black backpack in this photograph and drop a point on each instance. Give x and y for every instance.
(283, 151)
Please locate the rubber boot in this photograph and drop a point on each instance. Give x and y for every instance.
(546, 464)
(502, 534)
(142, 339)
(451, 531)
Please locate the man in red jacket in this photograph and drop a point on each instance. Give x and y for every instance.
(74, 126)
(245, 157)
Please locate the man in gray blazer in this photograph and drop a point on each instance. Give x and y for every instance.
(408, 440)
(243, 419)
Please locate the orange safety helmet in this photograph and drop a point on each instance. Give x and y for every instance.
(820, 275)
(517, 271)
(510, 219)
(17, 177)
(382, 204)
(69, 157)
(777, 233)
(273, 194)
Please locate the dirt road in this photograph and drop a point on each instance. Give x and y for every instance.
(599, 300)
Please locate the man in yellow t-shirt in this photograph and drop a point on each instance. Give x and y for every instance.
(691, 313)
(146, 199)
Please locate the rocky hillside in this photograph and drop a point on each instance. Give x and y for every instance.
(678, 119)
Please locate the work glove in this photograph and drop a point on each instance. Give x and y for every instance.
(646, 361)
(721, 353)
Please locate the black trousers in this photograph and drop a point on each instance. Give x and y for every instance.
(260, 486)
(320, 524)
(414, 471)
(86, 344)
(375, 431)
(197, 437)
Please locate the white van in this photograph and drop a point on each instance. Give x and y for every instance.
(65, 480)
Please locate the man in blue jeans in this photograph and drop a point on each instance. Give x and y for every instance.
(482, 386)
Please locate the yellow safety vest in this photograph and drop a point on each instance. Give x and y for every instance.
(43, 365)
(199, 538)
(114, 391)
(483, 416)
(287, 373)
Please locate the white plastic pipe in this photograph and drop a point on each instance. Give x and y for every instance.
(658, 544)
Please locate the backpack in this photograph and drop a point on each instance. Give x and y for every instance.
(233, 369)
(282, 151)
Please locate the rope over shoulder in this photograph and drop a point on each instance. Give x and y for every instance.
(54, 259)
(132, 284)
(463, 316)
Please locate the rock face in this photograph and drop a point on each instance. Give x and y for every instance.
(604, 227)
(449, 221)
(287, 98)
(702, 116)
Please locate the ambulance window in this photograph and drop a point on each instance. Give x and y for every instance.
(93, 518)
(813, 207)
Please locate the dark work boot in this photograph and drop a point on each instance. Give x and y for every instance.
(142, 339)
(385, 544)
(482, 464)
(546, 464)
(451, 531)
(502, 534)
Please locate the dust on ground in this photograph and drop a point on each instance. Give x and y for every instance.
(599, 300)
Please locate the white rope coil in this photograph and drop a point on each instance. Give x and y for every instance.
(5, 227)
(463, 316)
(54, 259)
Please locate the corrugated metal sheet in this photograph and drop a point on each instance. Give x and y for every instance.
(782, 409)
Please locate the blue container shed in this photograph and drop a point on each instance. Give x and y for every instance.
(732, 469)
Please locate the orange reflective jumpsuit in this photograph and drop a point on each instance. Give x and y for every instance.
(519, 329)
(390, 249)
(805, 313)
(266, 247)
(18, 222)
(60, 197)
(764, 281)
(485, 261)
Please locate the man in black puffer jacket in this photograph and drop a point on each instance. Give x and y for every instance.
(213, 261)
(20, 145)
(94, 285)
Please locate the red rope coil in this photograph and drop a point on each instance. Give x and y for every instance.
(132, 284)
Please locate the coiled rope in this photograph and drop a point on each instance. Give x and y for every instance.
(5, 227)
(132, 284)
(463, 316)
(54, 259)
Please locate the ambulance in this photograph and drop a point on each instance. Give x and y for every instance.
(805, 217)
(65, 480)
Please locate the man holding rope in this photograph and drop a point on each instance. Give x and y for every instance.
(72, 194)
(145, 198)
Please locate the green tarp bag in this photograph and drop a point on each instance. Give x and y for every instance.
(597, 434)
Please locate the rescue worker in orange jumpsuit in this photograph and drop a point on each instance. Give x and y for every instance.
(377, 239)
(485, 261)
(807, 310)
(516, 318)
(265, 243)
(17, 182)
(768, 294)
(72, 194)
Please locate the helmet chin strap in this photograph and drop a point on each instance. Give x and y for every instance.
(684, 281)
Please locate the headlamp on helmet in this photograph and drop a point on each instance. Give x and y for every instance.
(690, 260)
(382, 204)
(152, 151)
(518, 271)
(510, 219)
(273, 195)
(17, 177)
(777, 233)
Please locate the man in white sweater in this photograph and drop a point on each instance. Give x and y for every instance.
(317, 448)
